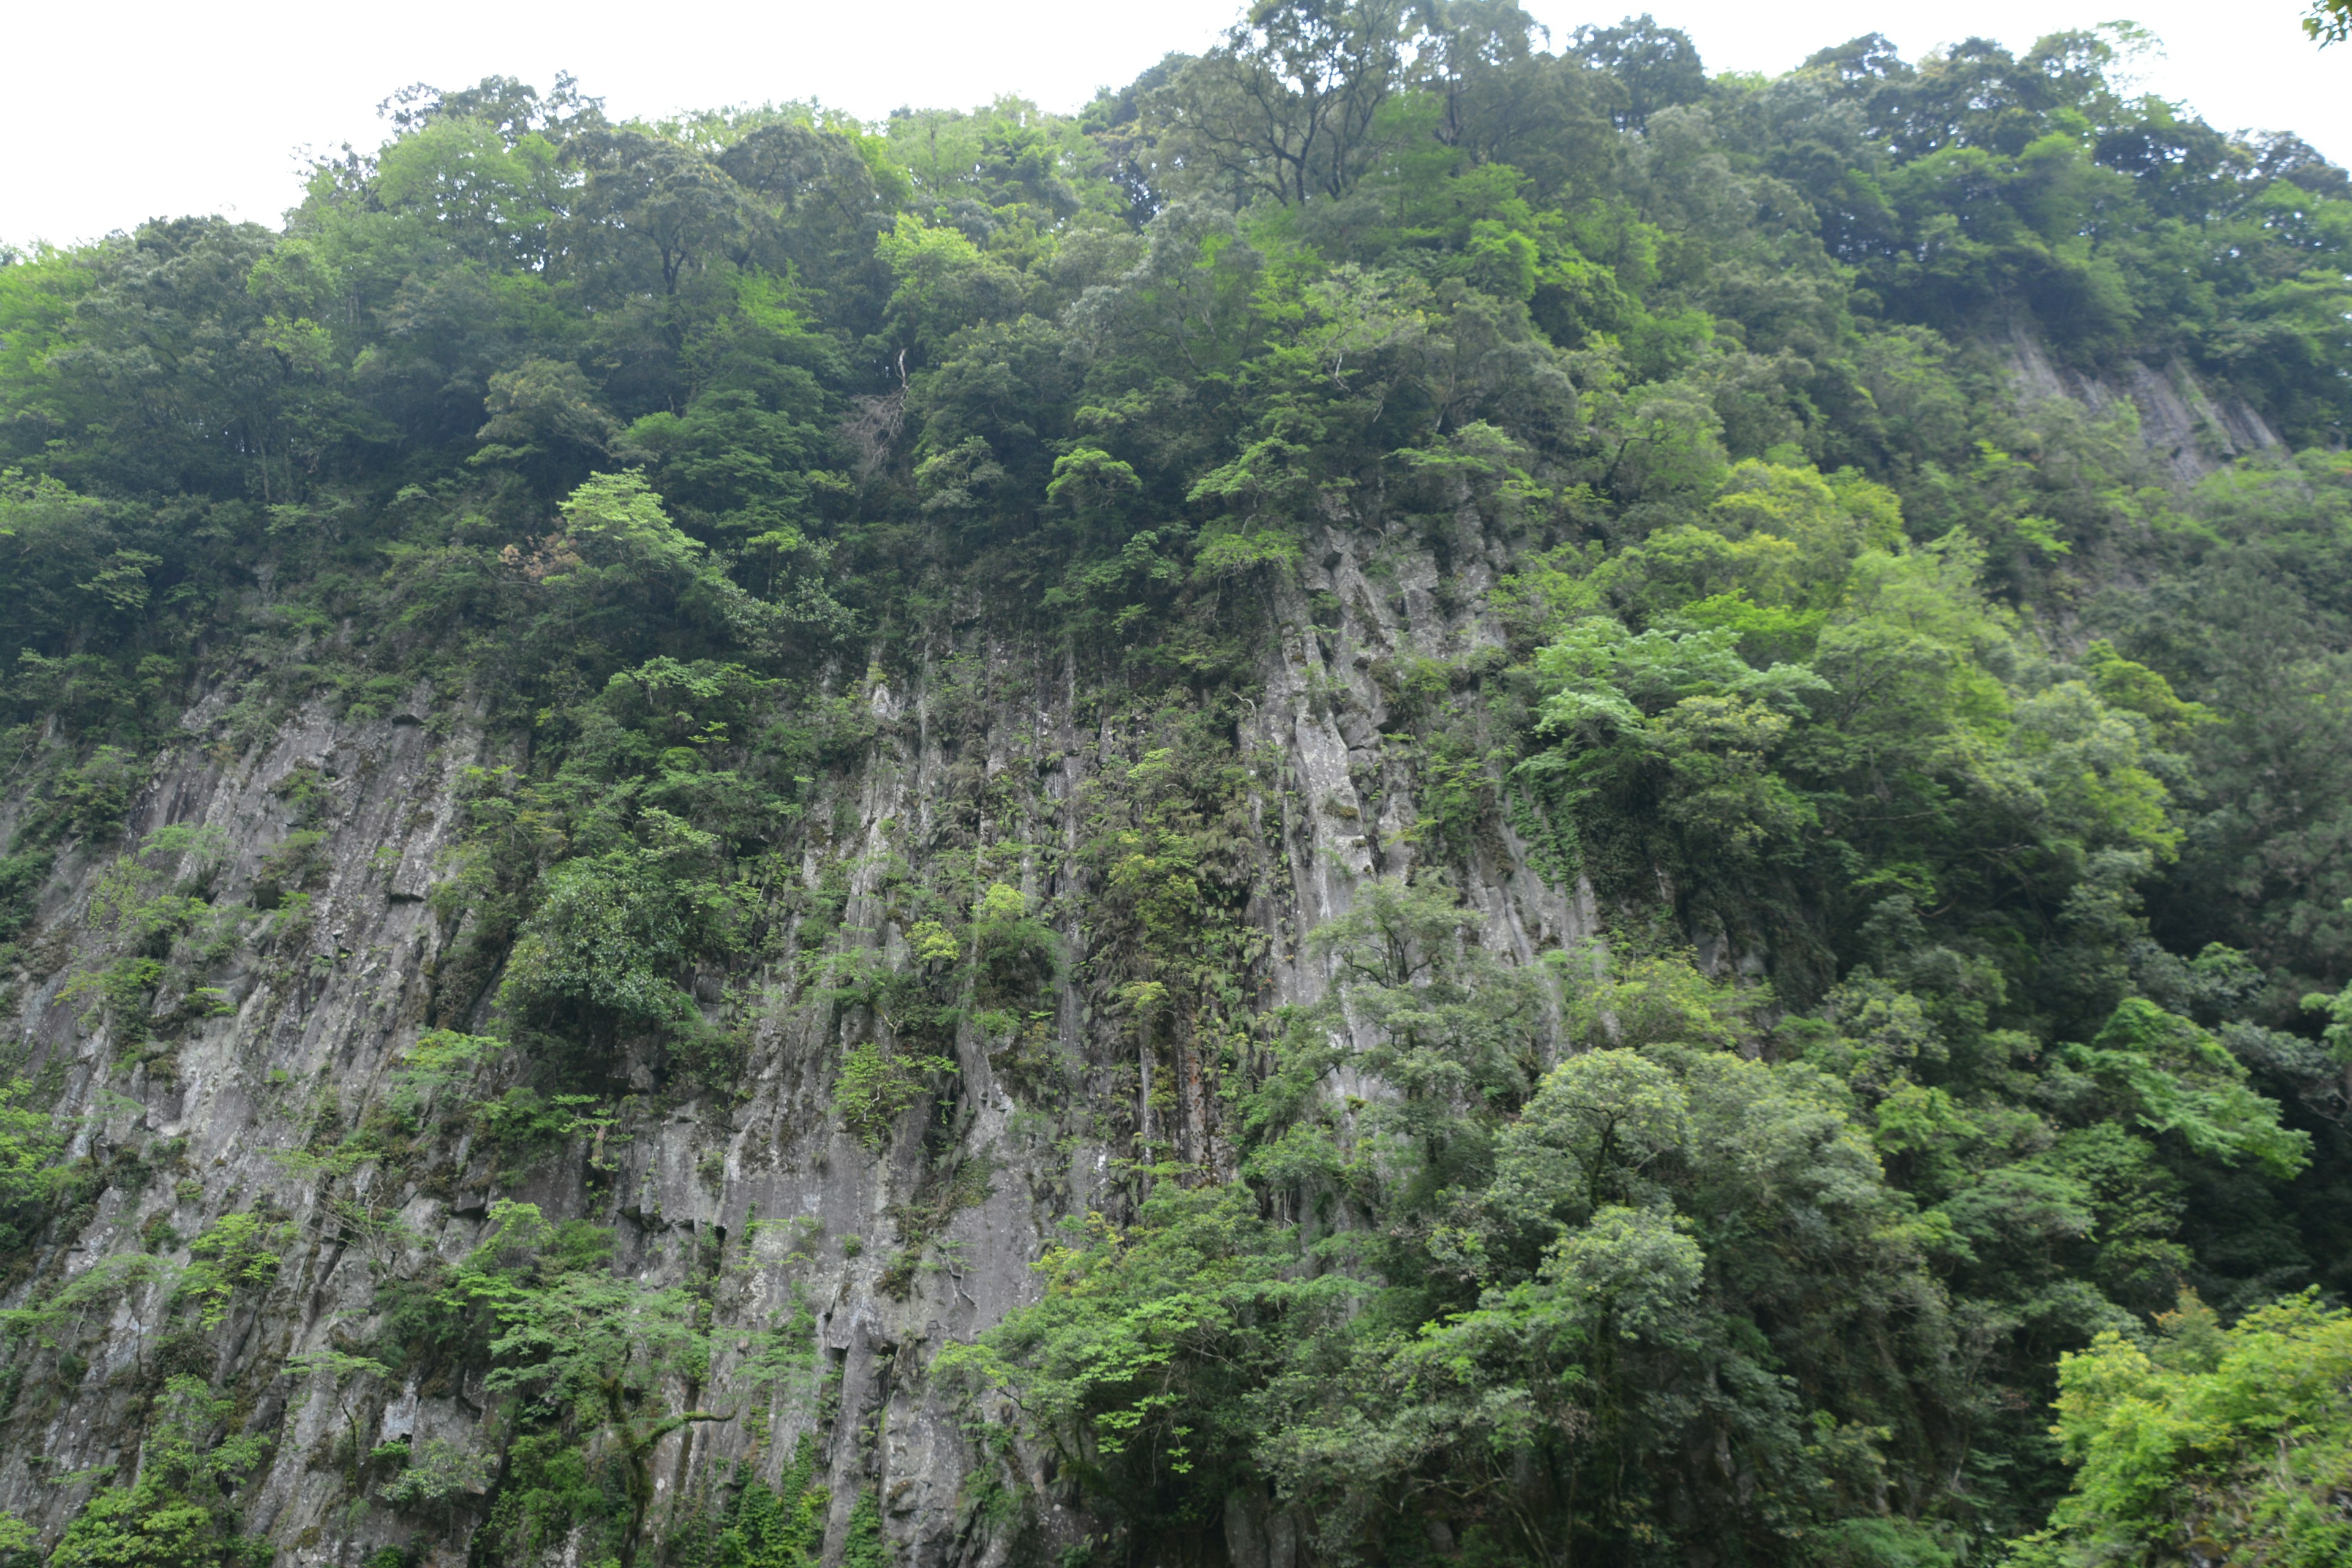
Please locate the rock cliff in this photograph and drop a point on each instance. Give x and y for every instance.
(323, 841)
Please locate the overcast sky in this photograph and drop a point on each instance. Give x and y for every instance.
(128, 111)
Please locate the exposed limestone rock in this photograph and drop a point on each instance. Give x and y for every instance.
(322, 1003)
(2187, 432)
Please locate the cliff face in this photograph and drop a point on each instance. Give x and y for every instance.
(205, 1107)
(326, 847)
(2189, 432)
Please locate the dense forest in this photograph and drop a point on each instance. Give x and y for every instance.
(1515, 806)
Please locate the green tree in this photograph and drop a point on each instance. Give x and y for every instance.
(2210, 1439)
(578, 1345)
(180, 1509)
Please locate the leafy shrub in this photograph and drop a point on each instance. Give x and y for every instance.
(524, 1122)
(235, 1252)
(178, 1512)
(292, 864)
(19, 1542)
(863, 1545)
(434, 1474)
(92, 801)
(603, 949)
(875, 1088)
(1015, 951)
(783, 1527)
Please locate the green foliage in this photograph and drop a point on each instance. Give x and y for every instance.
(588, 1354)
(1909, 724)
(237, 1252)
(863, 1545)
(179, 1510)
(873, 1091)
(434, 1475)
(33, 1173)
(1563, 1260)
(58, 1315)
(160, 925)
(604, 944)
(435, 1071)
(19, 1541)
(778, 1526)
(2177, 1081)
(2232, 1442)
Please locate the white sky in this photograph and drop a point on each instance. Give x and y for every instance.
(117, 112)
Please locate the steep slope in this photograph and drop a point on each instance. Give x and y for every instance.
(762, 1197)
(1413, 799)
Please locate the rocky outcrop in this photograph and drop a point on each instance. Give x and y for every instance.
(2188, 431)
(762, 1189)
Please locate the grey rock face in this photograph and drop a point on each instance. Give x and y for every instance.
(2187, 432)
(319, 999)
